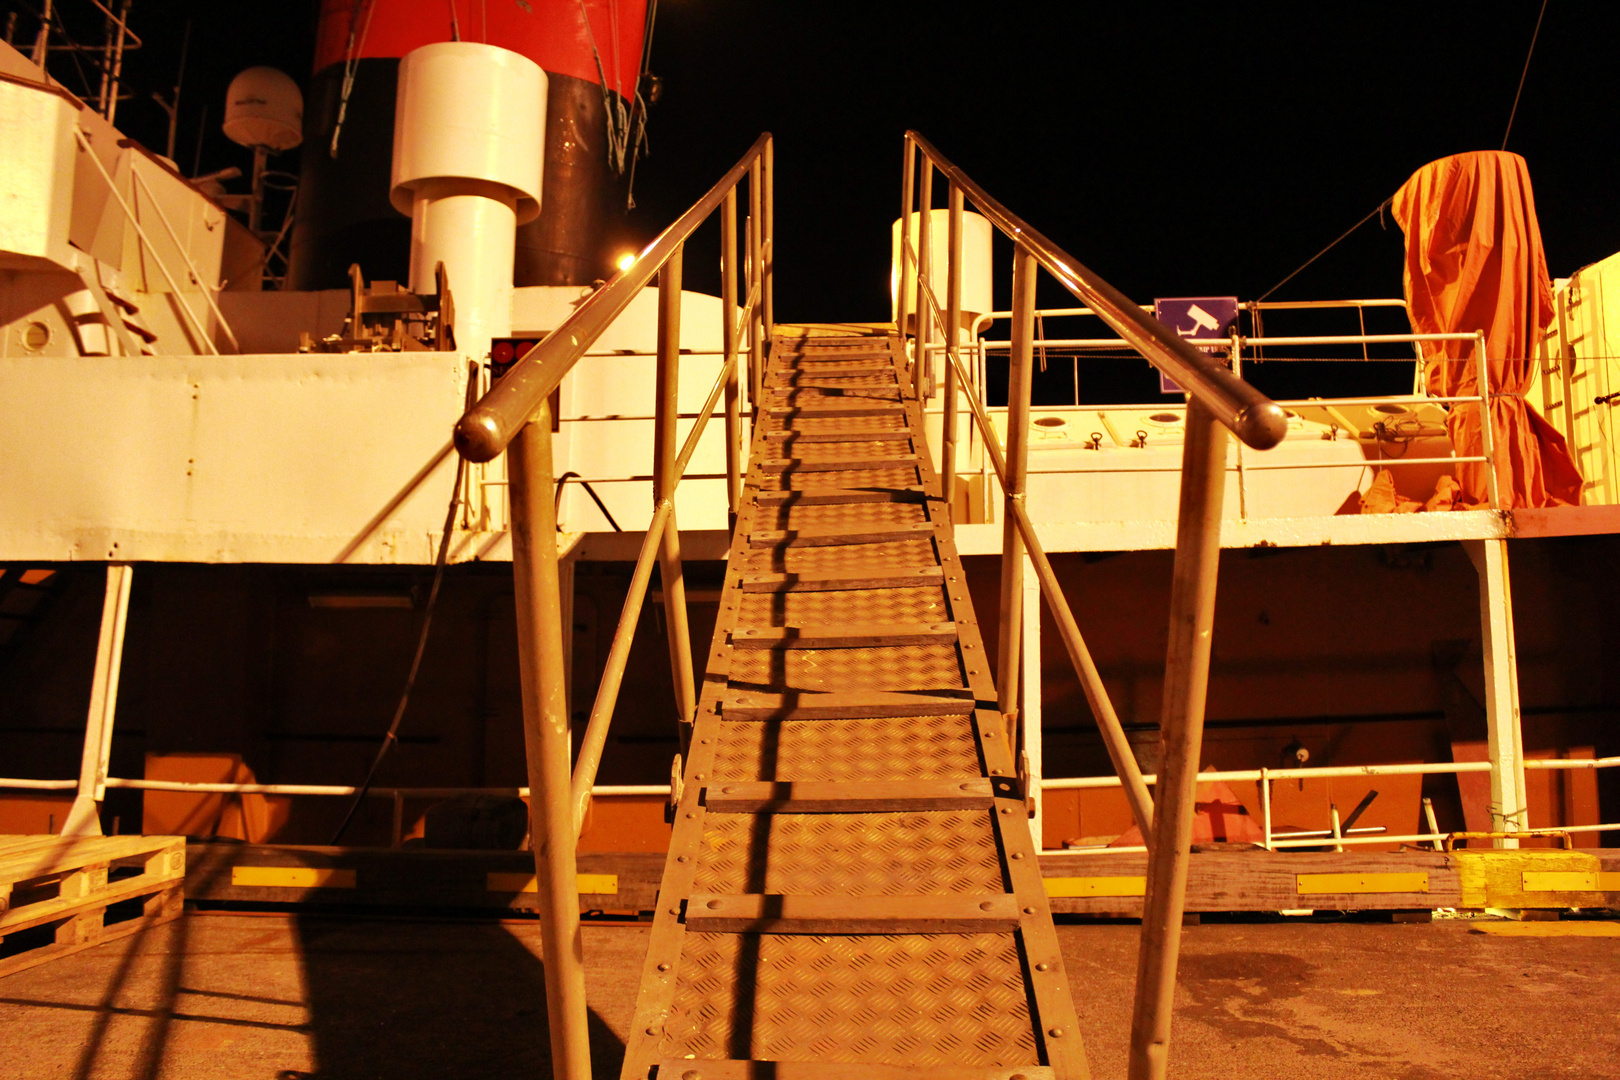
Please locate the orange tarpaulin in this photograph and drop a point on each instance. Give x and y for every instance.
(1474, 262)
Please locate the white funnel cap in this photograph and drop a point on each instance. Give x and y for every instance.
(470, 112)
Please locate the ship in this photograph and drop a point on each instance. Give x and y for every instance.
(257, 595)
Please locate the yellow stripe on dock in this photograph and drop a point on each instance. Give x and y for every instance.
(1096, 886)
(596, 884)
(1353, 884)
(1550, 929)
(292, 877)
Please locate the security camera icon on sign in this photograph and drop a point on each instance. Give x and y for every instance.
(1196, 318)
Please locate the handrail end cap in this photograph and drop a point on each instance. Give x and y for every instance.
(478, 436)
(1261, 426)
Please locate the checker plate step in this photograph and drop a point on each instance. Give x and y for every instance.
(851, 887)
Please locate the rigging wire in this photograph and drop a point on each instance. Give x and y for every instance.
(392, 737)
(1523, 74)
(1375, 211)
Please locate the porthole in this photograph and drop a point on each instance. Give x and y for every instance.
(35, 336)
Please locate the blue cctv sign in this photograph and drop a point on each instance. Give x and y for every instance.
(1197, 318)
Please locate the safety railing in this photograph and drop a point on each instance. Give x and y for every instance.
(1334, 834)
(1217, 400)
(1235, 347)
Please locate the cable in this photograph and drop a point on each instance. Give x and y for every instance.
(1518, 93)
(392, 736)
(586, 484)
(1370, 214)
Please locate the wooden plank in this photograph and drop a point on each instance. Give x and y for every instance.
(833, 582)
(848, 797)
(778, 914)
(845, 636)
(87, 927)
(708, 1069)
(752, 705)
(840, 496)
(24, 857)
(840, 535)
(799, 465)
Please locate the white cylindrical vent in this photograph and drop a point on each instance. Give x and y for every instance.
(976, 233)
(469, 141)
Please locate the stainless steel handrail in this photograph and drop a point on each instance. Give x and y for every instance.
(1251, 415)
(486, 428)
(514, 416)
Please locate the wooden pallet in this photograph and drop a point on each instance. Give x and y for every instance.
(59, 895)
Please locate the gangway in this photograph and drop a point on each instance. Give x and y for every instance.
(852, 888)
(851, 877)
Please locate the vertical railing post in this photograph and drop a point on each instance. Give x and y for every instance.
(953, 334)
(767, 293)
(84, 816)
(665, 451)
(1181, 727)
(1019, 376)
(925, 277)
(756, 266)
(545, 736)
(901, 299)
(728, 346)
(1487, 429)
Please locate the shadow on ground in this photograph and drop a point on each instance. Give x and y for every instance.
(439, 999)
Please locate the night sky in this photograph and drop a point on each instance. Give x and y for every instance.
(1175, 151)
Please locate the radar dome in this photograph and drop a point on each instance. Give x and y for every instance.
(264, 107)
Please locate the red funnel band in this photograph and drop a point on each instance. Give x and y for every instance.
(552, 33)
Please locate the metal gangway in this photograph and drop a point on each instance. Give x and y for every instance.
(851, 888)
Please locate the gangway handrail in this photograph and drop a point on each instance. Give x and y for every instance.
(514, 416)
(1250, 415)
(486, 428)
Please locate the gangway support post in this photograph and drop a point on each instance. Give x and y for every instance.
(84, 817)
(665, 450)
(1019, 384)
(546, 738)
(953, 334)
(1504, 741)
(1181, 727)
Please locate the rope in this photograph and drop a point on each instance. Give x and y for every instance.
(1517, 94)
(392, 737)
(351, 64)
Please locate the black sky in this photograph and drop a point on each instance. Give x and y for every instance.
(1175, 150)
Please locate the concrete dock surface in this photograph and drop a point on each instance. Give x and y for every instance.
(277, 996)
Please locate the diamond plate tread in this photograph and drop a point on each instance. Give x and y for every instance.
(904, 667)
(889, 854)
(912, 604)
(799, 396)
(852, 516)
(890, 999)
(847, 451)
(887, 422)
(841, 478)
(791, 560)
(891, 748)
(852, 889)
